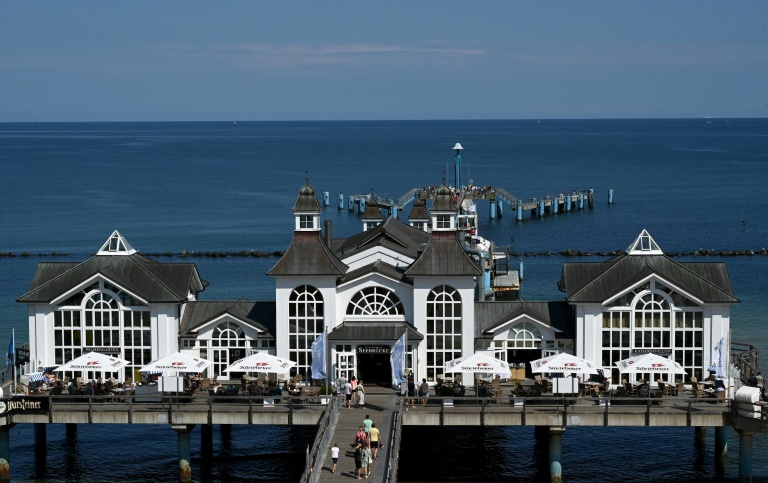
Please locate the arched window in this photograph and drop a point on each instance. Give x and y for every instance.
(228, 344)
(443, 328)
(653, 318)
(305, 323)
(97, 317)
(524, 336)
(375, 301)
(102, 321)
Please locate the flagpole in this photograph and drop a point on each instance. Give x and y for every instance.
(13, 369)
(728, 363)
(326, 356)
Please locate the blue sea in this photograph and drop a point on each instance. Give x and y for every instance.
(202, 186)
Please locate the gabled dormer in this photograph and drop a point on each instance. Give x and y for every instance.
(444, 210)
(307, 210)
(372, 216)
(116, 245)
(419, 218)
(644, 244)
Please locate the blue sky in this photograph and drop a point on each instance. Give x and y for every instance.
(237, 60)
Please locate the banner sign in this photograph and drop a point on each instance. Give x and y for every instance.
(24, 405)
(374, 349)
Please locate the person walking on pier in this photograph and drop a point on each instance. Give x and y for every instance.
(367, 424)
(366, 461)
(348, 393)
(361, 437)
(358, 459)
(411, 390)
(375, 438)
(424, 391)
(334, 456)
(360, 394)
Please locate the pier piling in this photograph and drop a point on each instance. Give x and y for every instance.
(745, 456)
(493, 209)
(519, 212)
(341, 201)
(206, 440)
(326, 198)
(555, 453)
(41, 440)
(610, 196)
(721, 445)
(185, 450)
(5, 453)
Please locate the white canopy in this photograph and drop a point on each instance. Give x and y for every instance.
(94, 361)
(565, 363)
(478, 362)
(261, 362)
(649, 363)
(178, 362)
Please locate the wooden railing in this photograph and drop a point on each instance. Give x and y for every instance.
(746, 358)
(172, 405)
(323, 437)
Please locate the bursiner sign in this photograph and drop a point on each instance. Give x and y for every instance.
(27, 405)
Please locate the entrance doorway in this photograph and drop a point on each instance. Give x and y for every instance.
(523, 356)
(374, 369)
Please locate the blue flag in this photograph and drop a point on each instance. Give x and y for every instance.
(318, 357)
(11, 351)
(397, 360)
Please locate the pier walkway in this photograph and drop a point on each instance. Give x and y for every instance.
(381, 405)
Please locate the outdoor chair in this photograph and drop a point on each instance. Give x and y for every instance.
(679, 388)
(698, 391)
(663, 388)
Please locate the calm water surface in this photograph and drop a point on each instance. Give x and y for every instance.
(219, 186)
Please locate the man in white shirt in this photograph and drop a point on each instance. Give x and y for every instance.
(348, 393)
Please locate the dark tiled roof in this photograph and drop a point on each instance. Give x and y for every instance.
(308, 255)
(444, 255)
(307, 200)
(444, 200)
(260, 315)
(597, 282)
(372, 210)
(392, 234)
(142, 276)
(419, 211)
(383, 331)
(490, 315)
(376, 267)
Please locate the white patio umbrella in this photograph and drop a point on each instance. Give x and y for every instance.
(261, 362)
(563, 362)
(478, 362)
(178, 362)
(649, 363)
(94, 361)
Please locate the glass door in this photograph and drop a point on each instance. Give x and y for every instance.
(345, 365)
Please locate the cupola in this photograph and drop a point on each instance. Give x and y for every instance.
(444, 209)
(116, 245)
(307, 209)
(419, 218)
(372, 216)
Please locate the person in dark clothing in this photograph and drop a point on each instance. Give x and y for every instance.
(411, 390)
(752, 381)
(358, 460)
